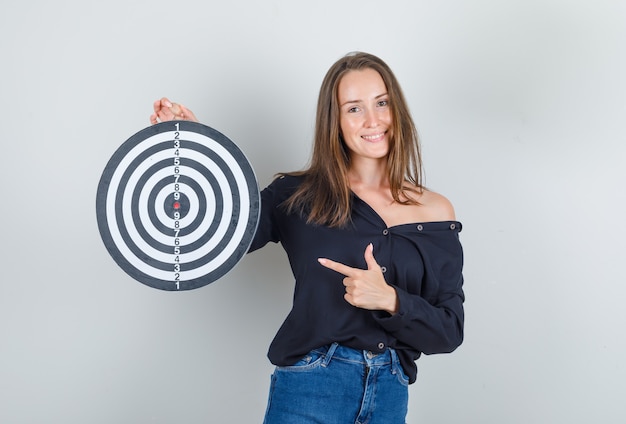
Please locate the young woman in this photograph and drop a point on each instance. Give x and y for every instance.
(375, 255)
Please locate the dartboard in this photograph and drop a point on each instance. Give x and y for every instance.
(177, 205)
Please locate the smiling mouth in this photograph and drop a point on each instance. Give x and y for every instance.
(374, 137)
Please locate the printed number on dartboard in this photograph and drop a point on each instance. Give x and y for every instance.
(176, 206)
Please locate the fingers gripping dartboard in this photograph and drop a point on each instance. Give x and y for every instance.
(177, 205)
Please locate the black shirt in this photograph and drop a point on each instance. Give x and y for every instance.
(422, 261)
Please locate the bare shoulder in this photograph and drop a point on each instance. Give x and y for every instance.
(438, 207)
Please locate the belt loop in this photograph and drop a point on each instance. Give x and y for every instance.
(395, 361)
(329, 354)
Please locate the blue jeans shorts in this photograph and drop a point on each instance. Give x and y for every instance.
(339, 385)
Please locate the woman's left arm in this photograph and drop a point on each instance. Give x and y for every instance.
(431, 322)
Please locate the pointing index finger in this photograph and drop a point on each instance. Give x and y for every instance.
(336, 266)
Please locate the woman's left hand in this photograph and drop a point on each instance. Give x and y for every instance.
(366, 288)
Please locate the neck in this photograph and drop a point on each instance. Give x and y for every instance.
(369, 173)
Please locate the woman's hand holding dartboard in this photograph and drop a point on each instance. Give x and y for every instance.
(164, 110)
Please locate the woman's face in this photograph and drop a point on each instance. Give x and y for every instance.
(365, 114)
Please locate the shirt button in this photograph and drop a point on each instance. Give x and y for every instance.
(381, 345)
(385, 232)
(420, 227)
(383, 269)
(452, 226)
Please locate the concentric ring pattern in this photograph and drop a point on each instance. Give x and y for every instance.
(177, 205)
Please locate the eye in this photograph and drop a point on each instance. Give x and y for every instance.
(354, 109)
(383, 103)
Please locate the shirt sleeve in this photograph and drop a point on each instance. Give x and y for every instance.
(266, 231)
(271, 214)
(431, 322)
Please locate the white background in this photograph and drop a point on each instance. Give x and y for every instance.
(521, 109)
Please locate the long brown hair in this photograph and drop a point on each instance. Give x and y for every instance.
(325, 195)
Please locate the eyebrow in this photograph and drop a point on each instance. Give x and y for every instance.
(359, 101)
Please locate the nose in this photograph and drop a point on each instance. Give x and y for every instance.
(371, 119)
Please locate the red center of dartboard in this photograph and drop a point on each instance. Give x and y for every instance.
(176, 205)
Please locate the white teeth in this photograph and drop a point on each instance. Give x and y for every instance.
(373, 137)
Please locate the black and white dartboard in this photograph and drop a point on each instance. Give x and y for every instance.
(177, 205)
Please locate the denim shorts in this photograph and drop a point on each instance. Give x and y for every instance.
(339, 385)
